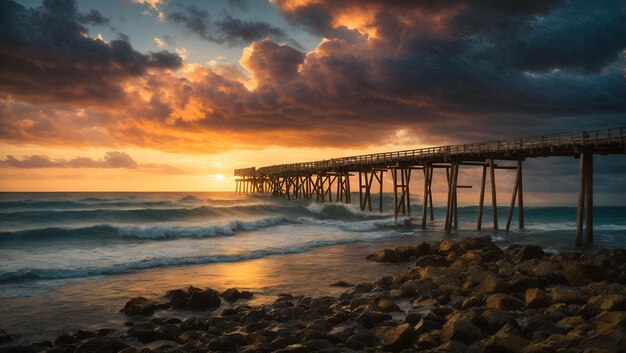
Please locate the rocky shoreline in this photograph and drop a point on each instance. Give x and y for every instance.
(460, 296)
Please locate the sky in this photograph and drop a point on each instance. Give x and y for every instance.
(172, 95)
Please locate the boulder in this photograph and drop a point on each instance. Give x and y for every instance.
(496, 318)
(520, 253)
(609, 302)
(536, 298)
(387, 306)
(567, 295)
(203, 299)
(601, 342)
(503, 302)
(505, 343)
(385, 255)
(362, 339)
(431, 260)
(370, 319)
(178, 298)
(399, 338)
(342, 284)
(427, 325)
(102, 345)
(460, 330)
(232, 294)
(491, 284)
(141, 306)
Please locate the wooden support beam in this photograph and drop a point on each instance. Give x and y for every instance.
(589, 196)
(430, 193)
(481, 199)
(451, 196)
(520, 196)
(380, 193)
(580, 214)
(426, 193)
(394, 177)
(494, 202)
(513, 196)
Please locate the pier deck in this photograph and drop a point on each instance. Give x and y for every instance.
(317, 178)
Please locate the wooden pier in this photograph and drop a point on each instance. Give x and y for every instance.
(320, 178)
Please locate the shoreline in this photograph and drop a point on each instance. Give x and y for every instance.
(468, 295)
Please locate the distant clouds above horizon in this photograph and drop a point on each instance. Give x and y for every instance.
(207, 77)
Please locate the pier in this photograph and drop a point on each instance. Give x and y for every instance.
(320, 180)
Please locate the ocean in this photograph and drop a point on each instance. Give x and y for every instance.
(71, 260)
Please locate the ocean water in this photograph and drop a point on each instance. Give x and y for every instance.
(70, 260)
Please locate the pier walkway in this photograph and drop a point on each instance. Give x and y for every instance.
(322, 179)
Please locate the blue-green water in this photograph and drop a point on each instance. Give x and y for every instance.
(72, 259)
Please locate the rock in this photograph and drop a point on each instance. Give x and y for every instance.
(567, 295)
(178, 298)
(64, 338)
(147, 336)
(232, 294)
(5, 338)
(387, 306)
(601, 342)
(128, 350)
(609, 302)
(447, 246)
(386, 255)
(460, 330)
(81, 335)
(431, 260)
(399, 338)
(342, 284)
(141, 306)
(102, 345)
(369, 319)
(427, 324)
(426, 341)
(452, 347)
(229, 342)
(519, 253)
(607, 320)
(293, 348)
(491, 284)
(362, 339)
(505, 343)
(471, 302)
(496, 318)
(536, 298)
(406, 252)
(503, 302)
(203, 299)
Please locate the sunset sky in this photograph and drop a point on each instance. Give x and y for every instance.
(172, 95)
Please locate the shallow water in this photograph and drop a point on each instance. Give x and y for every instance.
(70, 261)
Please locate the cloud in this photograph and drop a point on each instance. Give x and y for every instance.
(114, 159)
(47, 55)
(93, 17)
(111, 160)
(228, 30)
(440, 71)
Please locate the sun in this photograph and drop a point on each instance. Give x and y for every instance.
(219, 177)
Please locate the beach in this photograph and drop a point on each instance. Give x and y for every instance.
(457, 296)
(221, 241)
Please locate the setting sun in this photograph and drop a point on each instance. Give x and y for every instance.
(219, 177)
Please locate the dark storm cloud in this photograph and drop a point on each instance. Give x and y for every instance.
(228, 30)
(93, 17)
(114, 159)
(47, 55)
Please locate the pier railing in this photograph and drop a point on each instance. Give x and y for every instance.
(560, 141)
